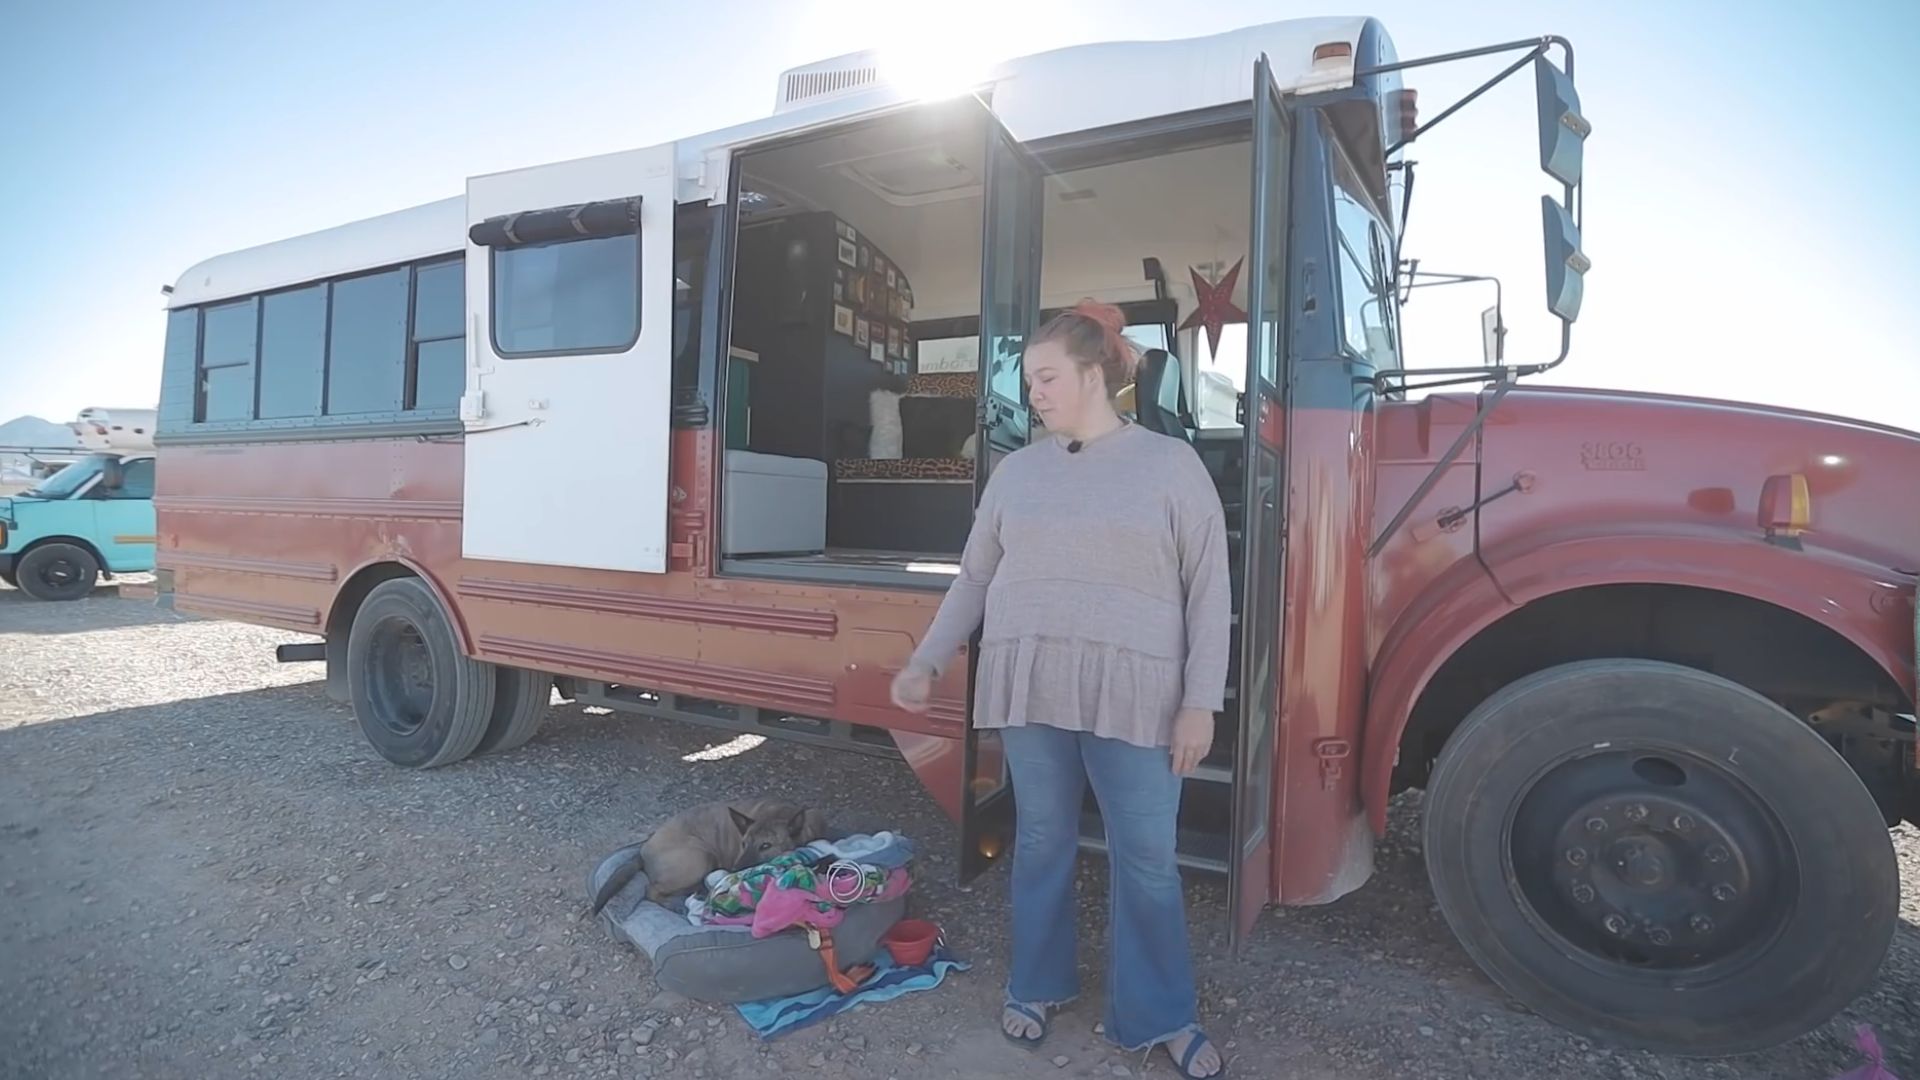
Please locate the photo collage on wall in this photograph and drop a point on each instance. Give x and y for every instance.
(872, 301)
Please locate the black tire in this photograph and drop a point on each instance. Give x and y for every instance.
(1659, 858)
(57, 572)
(520, 701)
(419, 700)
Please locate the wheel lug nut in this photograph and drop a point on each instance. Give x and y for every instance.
(1659, 935)
(1583, 893)
(1596, 825)
(1724, 892)
(1681, 823)
(1636, 812)
(1577, 856)
(1717, 853)
(1615, 925)
(1701, 924)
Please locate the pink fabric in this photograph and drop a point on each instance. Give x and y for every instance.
(781, 907)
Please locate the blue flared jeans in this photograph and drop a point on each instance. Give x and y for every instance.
(1150, 986)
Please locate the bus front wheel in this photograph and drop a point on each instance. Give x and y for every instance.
(418, 699)
(1659, 858)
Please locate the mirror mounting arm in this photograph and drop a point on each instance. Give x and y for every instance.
(1505, 373)
(1536, 48)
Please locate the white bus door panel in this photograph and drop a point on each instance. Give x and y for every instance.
(569, 294)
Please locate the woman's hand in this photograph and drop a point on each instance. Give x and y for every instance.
(1192, 738)
(913, 690)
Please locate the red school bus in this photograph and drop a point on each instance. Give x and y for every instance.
(695, 431)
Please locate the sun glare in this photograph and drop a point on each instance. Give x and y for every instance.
(935, 51)
(733, 747)
(927, 73)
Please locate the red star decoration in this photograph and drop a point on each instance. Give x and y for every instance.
(1213, 306)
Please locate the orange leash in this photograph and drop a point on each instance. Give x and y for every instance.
(844, 982)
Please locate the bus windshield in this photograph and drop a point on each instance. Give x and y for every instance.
(70, 479)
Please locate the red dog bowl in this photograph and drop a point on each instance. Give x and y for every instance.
(911, 941)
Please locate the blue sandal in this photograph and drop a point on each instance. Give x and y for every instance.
(1185, 1062)
(1036, 1013)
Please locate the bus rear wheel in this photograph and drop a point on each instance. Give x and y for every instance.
(419, 700)
(1658, 858)
(58, 572)
(520, 702)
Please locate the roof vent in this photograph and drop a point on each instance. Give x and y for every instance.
(912, 176)
(827, 79)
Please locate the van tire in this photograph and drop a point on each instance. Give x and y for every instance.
(1659, 858)
(57, 571)
(520, 702)
(419, 700)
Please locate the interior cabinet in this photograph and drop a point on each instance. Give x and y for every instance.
(828, 315)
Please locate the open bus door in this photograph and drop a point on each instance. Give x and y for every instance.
(1009, 310)
(1250, 860)
(570, 336)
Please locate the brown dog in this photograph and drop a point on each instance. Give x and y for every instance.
(723, 836)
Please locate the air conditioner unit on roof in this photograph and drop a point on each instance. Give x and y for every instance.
(827, 79)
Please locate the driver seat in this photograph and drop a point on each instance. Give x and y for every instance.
(1160, 396)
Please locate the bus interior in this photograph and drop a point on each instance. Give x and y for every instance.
(854, 356)
(853, 388)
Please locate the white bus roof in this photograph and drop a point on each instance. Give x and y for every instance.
(1077, 88)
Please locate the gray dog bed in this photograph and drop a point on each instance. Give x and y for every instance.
(727, 964)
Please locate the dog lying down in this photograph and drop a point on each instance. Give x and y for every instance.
(731, 835)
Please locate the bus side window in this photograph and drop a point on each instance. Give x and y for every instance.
(567, 296)
(1364, 293)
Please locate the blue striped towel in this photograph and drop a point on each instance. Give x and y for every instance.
(777, 1016)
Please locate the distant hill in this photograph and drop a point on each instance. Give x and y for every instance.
(17, 471)
(35, 432)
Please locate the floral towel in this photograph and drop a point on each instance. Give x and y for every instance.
(733, 895)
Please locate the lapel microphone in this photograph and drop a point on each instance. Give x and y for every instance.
(1074, 446)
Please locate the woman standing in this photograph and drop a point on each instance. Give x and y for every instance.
(1098, 560)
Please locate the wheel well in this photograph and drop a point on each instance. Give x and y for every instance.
(1805, 667)
(73, 540)
(346, 605)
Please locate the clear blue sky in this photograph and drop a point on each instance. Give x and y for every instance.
(1749, 217)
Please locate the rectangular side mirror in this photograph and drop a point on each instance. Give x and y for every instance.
(113, 475)
(1563, 131)
(1566, 264)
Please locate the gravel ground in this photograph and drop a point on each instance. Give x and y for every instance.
(204, 872)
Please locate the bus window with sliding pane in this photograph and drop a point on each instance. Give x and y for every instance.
(1219, 378)
(567, 297)
(1365, 283)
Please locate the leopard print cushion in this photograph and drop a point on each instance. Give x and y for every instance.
(903, 469)
(960, 384)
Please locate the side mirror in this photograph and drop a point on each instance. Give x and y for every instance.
(113, 475)
(1493, 337)
(1563, 131)
(1566, 264)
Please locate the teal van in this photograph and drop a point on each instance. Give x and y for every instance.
(91, 518)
